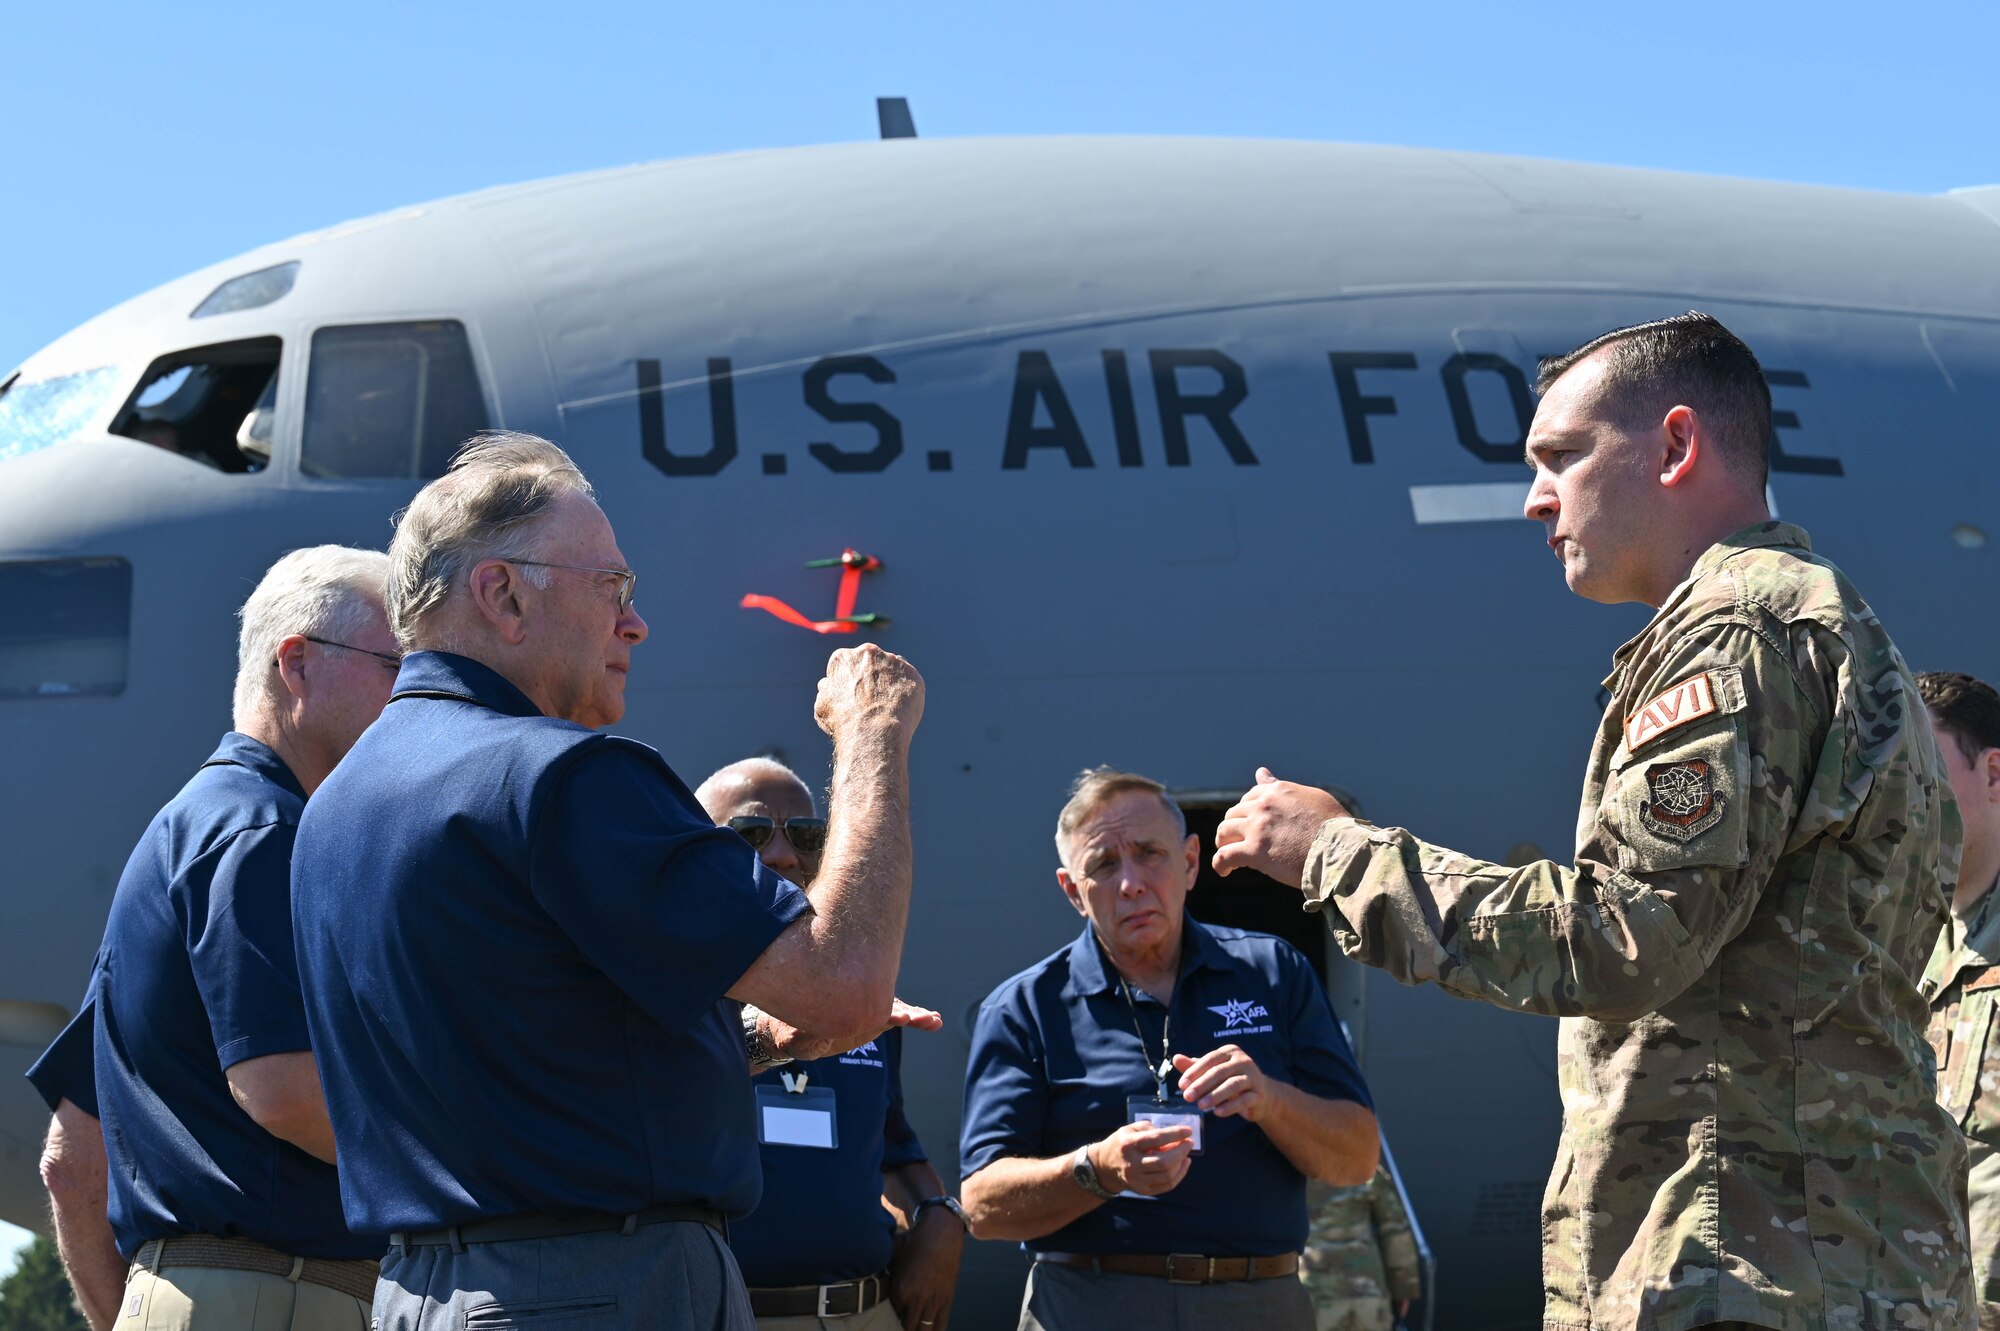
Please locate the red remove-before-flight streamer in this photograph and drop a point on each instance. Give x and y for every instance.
(852, 564)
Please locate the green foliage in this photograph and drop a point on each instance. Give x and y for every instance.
(36, 1296)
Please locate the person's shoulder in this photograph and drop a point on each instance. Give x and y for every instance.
(1784, 584)
(1260, 949)
(1028, 989)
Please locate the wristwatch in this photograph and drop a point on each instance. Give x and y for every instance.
(1085, 1175)
(757, 1042)
(948, 1203)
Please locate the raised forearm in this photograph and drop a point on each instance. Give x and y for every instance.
(1335, 1141)
(1544, 937)
(830, 978)
(74, 1172)
(1020, 1198)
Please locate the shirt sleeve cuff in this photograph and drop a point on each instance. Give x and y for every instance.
(1339, 840)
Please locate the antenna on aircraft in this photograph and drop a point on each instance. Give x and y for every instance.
(894, 115)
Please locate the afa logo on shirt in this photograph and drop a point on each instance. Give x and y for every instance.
(867, 1056)
(1241, 1017)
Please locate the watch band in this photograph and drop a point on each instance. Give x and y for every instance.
(757, 1042)
(950, 1204)
(1085, 1174)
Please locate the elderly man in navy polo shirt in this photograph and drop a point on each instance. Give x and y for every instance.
(517, 933)
(1144, 1107)
(822, 1245)
(221, 1185)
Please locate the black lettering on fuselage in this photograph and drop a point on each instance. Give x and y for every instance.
(1355, 406)
(1464, 422)
(1036, 385)
(722, 422)
(1797, 463)
(1124, 412)
(888, 430)
(1176, 404)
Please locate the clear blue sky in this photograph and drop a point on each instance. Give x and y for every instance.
(145, 141)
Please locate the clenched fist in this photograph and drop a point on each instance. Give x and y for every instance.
(868, 688)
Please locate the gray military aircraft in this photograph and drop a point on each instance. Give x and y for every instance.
(1184, 455)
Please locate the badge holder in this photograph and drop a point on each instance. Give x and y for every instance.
(1165, 1111)
(794, 1115)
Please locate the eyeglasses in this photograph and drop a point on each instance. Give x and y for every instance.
(393, 662)
(807, 835)
(628, 579)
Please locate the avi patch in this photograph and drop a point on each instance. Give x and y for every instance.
(1681, 799)
(1690, 700)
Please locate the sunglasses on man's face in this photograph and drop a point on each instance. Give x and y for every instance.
(807, 835)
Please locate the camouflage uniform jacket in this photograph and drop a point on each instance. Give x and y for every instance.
(1360, 1257)
(1963, 985)
(1749, 1125)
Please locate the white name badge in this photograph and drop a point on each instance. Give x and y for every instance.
(1172, 1112)
(796, 1118)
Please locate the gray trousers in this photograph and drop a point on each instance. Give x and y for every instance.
(1061, 1298)
(677, 1276)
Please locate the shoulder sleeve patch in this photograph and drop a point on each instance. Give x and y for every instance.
(1697, 696)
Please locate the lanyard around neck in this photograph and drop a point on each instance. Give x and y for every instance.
(1166, 1039)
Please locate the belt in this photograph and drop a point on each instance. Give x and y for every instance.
(842, 1300)
(1180, 1268)
(354, 1278)
(553, 1225)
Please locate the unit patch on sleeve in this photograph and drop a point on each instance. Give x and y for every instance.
(1682, 801)
(1689, 700)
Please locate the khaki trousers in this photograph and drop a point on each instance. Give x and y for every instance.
(879, 1318)
(201, 1298)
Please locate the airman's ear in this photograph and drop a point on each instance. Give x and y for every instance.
(1685, 447)
(496, 595)
(1988, 768)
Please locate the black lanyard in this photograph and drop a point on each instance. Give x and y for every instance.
(1166, 1036)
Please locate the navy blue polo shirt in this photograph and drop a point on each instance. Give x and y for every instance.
(822, 1220)
(1055, 1055)
(514, 936)
(65, 1070)
(196, 975)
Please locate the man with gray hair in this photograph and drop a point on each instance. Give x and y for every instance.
(192, 1046)
(1143, 1108)
(518, 934)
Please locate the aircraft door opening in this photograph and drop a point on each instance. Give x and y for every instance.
(1249, 900)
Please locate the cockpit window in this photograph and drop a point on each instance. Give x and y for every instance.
(66, 630)
(204, 404)
(390, 400)
(250, 291)
(35, 414)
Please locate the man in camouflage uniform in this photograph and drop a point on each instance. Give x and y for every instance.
(1963, 982)
(1750, 1134)
(1360, 1262)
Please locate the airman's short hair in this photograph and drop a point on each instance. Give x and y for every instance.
(1096, 787)
(488, 505)
(322, 591)
(1689, 360)
(1966, 708)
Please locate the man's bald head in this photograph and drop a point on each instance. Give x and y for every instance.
(764, 788)
(750, 780)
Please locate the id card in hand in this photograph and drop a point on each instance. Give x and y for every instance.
(796, 1118)
(1171, 1112)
